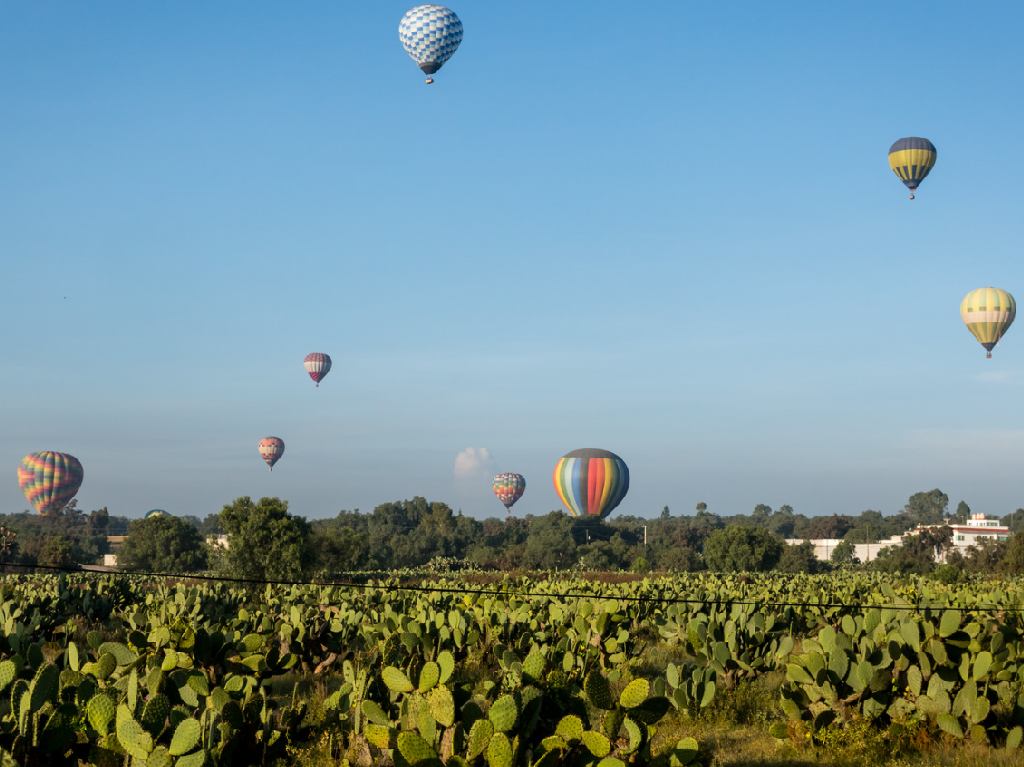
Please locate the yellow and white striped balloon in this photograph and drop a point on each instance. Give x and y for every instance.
(988, 314)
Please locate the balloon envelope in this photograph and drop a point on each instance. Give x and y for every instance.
(988, 314)
(49, 480)
(509, 488)
(271, 449)
(591, 482)
(911, 159)
(430, 34)
(318, 365)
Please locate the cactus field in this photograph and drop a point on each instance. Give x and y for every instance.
(117, 670)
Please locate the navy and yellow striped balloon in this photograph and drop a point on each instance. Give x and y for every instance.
(911, 159)
(50, 480)
(591, 482)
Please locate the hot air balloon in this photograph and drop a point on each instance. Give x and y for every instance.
(271, 450)
(591, 482)
(50, 480)
(430, 34)
(988, 314)
(912, 159)
(509, 488)
(318, 365)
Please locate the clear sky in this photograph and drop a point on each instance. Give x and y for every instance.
(666, 229)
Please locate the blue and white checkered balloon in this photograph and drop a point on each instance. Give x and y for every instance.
(430, 34)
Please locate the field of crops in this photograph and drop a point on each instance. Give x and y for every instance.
(114, 670)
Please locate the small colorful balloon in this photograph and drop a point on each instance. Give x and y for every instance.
(509, 488)
(430, 34)
(318, 365)
(271, 449)
(50, 480)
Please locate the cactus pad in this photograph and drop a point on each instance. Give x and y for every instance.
(396, 680)
(131, 736)
(499, 751)
(480, 735)
(570, 727)
(504, 713)
(186, 737)
(429, 676)
(598, 692)
(635, 693)
(596, 743)
(446, 662)
(442, 706)
(414, 749)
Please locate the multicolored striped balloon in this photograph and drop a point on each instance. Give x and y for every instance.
(911, 159)
(430, 34)
(50, 480)
(509, 488)
(591, 482)
(988, 314)
(271, 450)
(318, 365)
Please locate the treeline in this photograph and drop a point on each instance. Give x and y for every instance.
(267, 541)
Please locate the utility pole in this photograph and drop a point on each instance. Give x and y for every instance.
(645, 536)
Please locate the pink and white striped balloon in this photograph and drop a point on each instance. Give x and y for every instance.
(318, 365)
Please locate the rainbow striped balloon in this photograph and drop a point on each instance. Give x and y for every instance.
(591, 482)
(49, 480)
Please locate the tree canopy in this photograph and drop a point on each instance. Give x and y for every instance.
(162, 543)
(265, 541)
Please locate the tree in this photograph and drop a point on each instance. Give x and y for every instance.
(265, 542)
(1013, 559)
(665, 513)
(701, 507)
(963, 512)
(844, 555)
(164, 544)
(1015, 521)
(57, 551)
(550, 543)
(984, 557)
(918, 552)
(761, 514)
(870, 526)
(799, 559)
(927, 508)
(832, 526)
(783, 521)
(740, 548)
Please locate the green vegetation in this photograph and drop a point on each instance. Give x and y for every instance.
(163, 544)
(420, 670)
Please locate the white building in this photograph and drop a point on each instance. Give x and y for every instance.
(864, 552)
(964, 536)
(977, 528)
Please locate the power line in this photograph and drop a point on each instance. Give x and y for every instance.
(919, 607)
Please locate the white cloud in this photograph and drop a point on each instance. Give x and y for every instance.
(994, 376)
(473, 462)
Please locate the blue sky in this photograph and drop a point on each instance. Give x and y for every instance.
(665, 229)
